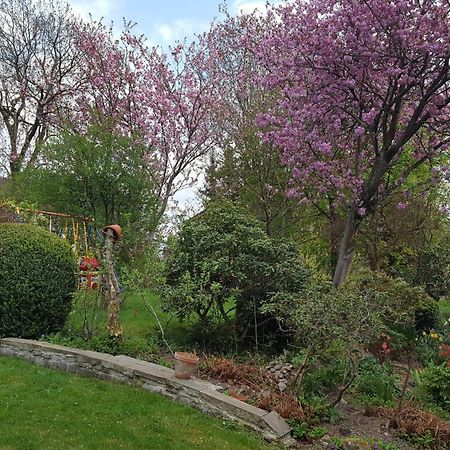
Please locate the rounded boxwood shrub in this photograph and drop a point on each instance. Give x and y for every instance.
(37, 279)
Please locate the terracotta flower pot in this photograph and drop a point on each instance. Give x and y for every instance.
(116, 229)
(185, 365)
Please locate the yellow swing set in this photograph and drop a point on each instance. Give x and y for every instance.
(76, 231)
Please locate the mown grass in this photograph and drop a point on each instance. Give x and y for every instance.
(136, 318)
(444, 307)
(141, 318)
(45, 409)
(140, 313)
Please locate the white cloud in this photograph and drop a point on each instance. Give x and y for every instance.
(96, 8)
(246, 7)
(260, 6)
(169, 33)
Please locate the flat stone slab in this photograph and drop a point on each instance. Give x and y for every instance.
(197, 393)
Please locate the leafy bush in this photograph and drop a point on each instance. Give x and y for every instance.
(320, 316)
(37, 280)
(433, 271)
(402, 306)
(356, 316)
(375, 383)
(427, 350)
(434, 386)
(325, 376)
(427, 315)
(224, 264)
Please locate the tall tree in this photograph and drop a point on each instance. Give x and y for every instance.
(246, 168)
(161, 101)
(96, 174)
(243, 167)
(39, 68)
(365, 96)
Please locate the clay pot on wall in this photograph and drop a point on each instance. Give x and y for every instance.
(185, 365)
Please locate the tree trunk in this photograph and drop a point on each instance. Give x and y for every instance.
(114, 327)
(335, 229)
(15, 167)
(346, 249)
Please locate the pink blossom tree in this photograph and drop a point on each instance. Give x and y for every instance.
(242, 166)
(364, 100)
(159, 100)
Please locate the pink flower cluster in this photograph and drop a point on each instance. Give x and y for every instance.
(363, 93)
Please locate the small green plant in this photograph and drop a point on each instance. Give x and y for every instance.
(319, 404)
(427, 349)
(163, 362)
(433, 386)
(317, 432)
(303, 431)
(425, 441)
(336, 443)
(299, 430)
(325, 377)
(422, 442)
(375, 383)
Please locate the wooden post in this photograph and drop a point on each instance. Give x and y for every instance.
(114, 327)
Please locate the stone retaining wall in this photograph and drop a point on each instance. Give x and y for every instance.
(151, 377)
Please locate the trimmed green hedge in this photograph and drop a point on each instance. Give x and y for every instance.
(37, 279)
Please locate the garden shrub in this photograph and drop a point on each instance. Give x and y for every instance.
(224, 265)
(427, 350)
(433, 271)
(37, 279)
(325, 376)
(427, 315)
(434, 386)
(356, 316)
(395, 296)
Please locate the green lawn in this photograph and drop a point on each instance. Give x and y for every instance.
(444, 306)
(45, 409)
(137, 317)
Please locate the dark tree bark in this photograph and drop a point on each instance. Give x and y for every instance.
(346, 249)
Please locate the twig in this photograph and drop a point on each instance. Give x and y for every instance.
(161, 328)
(405, 382)
(347, 385)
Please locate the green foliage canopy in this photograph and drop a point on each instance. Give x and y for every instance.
(97, 174)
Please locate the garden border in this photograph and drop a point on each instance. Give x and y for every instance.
(151, 377)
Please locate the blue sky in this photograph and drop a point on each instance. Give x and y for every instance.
(163, 21)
